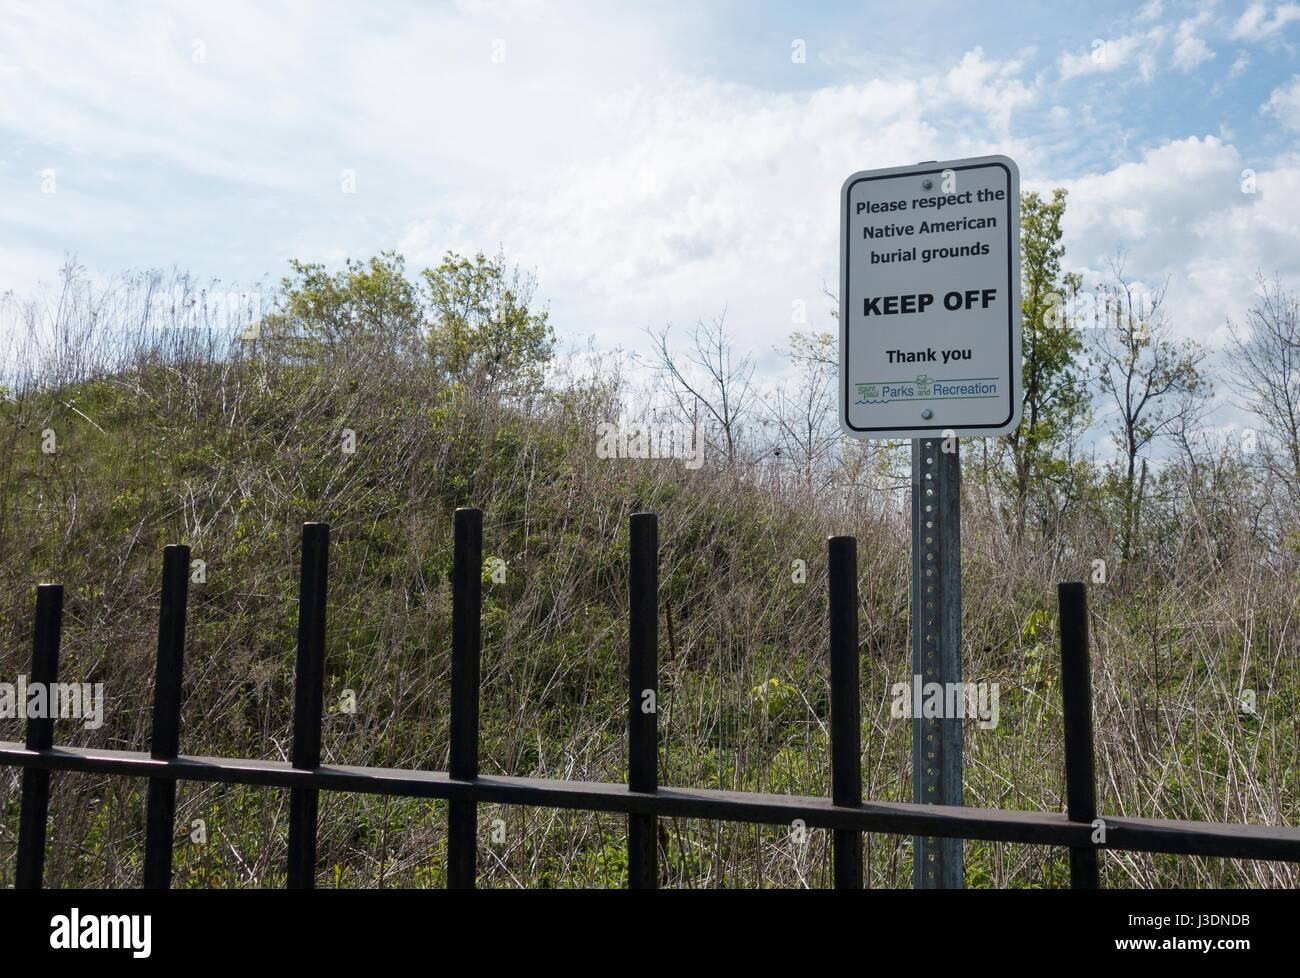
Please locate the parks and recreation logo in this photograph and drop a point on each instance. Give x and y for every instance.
(926, 388)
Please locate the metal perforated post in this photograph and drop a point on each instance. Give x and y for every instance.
(936, 648)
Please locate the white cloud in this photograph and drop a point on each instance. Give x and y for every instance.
(1136, 203)
(282, 102)
(1180, 215)
(1104, 56)
(713, 194)
(1150, 11)
(992, 87)
(639, 188)
(1284, 104)
(1189, 50)
(1101, 56)
(1256, 22)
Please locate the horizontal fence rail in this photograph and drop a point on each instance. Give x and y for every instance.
(643, 800)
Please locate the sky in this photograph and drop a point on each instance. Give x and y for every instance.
(651, 163)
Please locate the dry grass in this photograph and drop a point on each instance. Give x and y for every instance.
(171, 436)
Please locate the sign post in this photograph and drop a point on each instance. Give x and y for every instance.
(936, 649)
(930, 351)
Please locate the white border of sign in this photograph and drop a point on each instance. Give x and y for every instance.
(1013, 284)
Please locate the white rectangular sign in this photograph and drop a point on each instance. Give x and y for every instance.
(930, 300)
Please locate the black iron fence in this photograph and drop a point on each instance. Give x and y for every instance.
(642, 799)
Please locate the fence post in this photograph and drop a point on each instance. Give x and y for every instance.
(643, 695)
(466, 645)
(1076, 697)
(164, 740)
(846, 711)
(40, 736)
(308, 691)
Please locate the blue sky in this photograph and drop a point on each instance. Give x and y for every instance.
(651, 165)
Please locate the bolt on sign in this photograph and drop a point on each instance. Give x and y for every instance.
(930, 300)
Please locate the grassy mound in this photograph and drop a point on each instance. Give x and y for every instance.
(231, 453)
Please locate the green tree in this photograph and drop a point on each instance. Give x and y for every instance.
(1054, 392)
(482, 326)
(472, 317)
(365, 299)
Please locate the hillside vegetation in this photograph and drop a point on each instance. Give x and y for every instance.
(448, 390)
